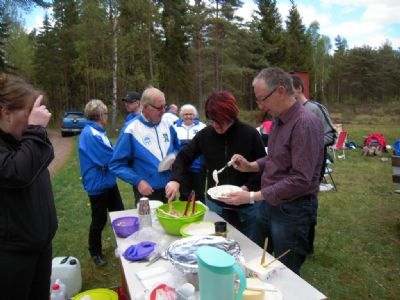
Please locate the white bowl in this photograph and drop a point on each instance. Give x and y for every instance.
(220, 191)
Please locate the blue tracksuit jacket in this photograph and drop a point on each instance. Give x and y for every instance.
(95, 151)
(140, 148)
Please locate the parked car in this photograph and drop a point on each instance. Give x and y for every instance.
(72, 122)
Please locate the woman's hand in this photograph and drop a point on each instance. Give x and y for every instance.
(39, 114)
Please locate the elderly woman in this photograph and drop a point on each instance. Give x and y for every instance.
(28, 220)
(95, 152)
(186, 128)
(225, 136)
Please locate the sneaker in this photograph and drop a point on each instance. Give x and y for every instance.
(99, 260)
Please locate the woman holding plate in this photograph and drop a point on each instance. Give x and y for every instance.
(224, 136)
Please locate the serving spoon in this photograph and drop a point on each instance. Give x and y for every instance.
(215, 172)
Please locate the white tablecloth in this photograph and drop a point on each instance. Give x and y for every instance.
(292, 286)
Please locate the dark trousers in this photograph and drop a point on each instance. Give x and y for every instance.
(100, 204)
(25, 275)
(156, 195)
(195, 181)
(287, 226)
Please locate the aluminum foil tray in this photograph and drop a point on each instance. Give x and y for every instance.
(182, 253)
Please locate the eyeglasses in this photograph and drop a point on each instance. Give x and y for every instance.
(266, 97)
(159, 108)
(188, 115)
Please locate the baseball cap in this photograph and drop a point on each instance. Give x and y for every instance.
(131, 96)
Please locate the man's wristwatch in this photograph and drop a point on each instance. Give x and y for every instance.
(251, 198)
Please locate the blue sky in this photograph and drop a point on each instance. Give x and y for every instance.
(361, 22)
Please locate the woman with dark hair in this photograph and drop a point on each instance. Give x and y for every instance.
(28, 220)
(225, 136)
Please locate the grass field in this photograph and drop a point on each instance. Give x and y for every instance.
(357, 247)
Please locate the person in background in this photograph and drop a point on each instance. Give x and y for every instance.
(225, 136)
(95, 152)
(186, 128)
(28, 220)
(171, 115)
(329, 139)
(142, 145)
(132, 105)
(291, 171)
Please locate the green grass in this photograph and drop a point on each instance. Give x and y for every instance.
(357, 247)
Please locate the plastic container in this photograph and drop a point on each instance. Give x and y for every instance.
(97, 294)
(125, 226)
(68, 270)
(58, 291)
(173, 225)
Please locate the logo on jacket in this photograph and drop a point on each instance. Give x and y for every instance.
(166, 138)
(147, 140)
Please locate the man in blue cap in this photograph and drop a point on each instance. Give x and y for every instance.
(132, 104)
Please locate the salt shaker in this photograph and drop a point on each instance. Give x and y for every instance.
(144, 212)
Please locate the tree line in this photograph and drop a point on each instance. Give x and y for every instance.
(102, 48)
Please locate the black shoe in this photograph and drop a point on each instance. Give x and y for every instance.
(99, 260)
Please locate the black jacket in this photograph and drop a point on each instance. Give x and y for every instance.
(28, 220)
(217, 150)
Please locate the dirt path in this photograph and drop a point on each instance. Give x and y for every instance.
(62, 148)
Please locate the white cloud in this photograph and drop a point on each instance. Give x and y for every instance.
(247, 10)
(382, 14)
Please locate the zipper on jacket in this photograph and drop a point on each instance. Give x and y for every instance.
(158, 141)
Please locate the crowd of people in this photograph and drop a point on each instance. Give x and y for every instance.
(278, 197)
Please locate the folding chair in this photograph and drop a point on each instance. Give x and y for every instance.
(340, 144)
(328, 173)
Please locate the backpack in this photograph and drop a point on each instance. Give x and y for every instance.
(375, 140)
(374, 144)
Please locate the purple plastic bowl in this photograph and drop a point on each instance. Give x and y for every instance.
(125, 226)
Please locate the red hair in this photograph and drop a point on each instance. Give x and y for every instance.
(221, 107)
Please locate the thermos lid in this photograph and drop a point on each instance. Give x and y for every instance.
(214, 257)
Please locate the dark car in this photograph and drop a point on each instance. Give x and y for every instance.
(72, 122)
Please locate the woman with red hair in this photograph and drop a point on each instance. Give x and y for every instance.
(225, 136)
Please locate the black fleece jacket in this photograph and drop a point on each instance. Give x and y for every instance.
(217, 150)
(28, 220)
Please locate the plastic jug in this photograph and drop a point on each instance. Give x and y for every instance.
(68, 269)
(216, 274)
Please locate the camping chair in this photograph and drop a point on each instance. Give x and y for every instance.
(328, 173)
(340, 144)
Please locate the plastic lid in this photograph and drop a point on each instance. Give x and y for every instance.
(55, 287)
(214, 257)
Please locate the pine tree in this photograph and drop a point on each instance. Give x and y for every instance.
(269, 23)
(298, 45)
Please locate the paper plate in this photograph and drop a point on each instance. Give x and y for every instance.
(220, 190)
(198, 228)
(167, 162)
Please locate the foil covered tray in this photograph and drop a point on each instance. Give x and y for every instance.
(182, 253)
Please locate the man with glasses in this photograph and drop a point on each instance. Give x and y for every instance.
(132, 105)
(142, 145)
(291, 171)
